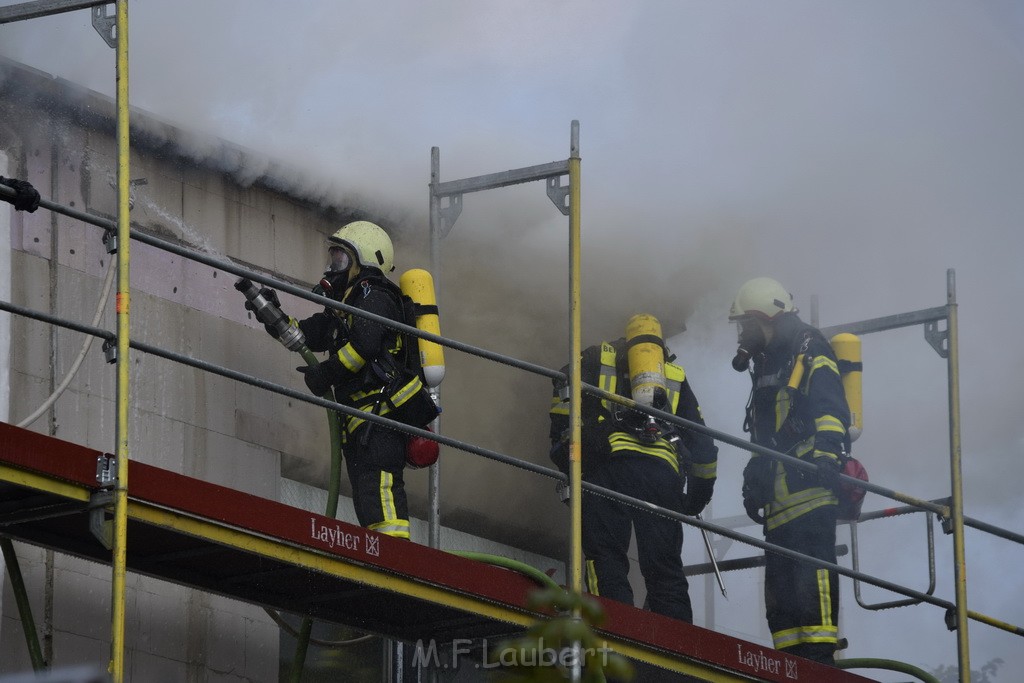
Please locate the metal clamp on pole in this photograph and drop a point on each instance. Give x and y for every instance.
(106, 470)
(110, 351)
(101, 527)
(110, 240)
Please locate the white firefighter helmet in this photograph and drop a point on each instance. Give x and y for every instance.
(371, 244)
(763, 298)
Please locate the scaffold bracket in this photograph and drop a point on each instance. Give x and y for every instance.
(105, 24)
(558, 194)
(100, 526)
(450, 213)
(938, 339)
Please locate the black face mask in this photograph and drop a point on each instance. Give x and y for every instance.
(334, 283)
(751, 341)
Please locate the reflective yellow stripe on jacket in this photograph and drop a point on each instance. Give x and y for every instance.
(788, 506)
(369, 401)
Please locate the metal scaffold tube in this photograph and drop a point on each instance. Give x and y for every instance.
(434, 493)
(44, 8)
(120, 551)
(956, 481)
(575, 391)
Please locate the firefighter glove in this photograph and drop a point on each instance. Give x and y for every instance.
(698, 495)
(752, 506)
(26, 197)
(828, 471)
(320, 378)
(271, 296)
(758, 480)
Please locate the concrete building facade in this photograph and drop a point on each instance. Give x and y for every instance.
(60, 138)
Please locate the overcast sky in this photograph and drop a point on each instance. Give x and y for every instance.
(853, 150)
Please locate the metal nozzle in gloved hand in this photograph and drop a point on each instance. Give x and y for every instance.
(269, 313)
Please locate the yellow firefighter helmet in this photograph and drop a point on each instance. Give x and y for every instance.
(371, 244)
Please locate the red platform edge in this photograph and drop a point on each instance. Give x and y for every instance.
(74, 463)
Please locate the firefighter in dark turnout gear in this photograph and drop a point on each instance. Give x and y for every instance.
(797, 406)
(676, 469)
(365, 370)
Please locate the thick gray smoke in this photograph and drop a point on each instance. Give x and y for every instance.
(854, 151)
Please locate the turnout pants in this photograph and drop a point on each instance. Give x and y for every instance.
(801, 600)
(607, 527)
(375, 469)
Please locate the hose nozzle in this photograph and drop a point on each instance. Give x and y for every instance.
(270, 314)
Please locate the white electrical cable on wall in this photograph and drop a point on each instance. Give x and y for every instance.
(108, 281)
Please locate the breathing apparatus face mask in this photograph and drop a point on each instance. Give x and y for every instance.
(336, 276)
(751, 340)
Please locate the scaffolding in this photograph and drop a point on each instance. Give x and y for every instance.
(111, 491)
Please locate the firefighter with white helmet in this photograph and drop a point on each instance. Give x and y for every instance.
(367, 369)
(797, 406)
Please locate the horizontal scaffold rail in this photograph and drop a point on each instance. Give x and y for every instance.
(667, 417)
(209, 537)
(490, 181)
(227, 266)
(45, 8)
(529, 466)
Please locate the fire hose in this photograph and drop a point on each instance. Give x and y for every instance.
(262, 303)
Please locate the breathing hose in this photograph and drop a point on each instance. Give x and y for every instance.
(888, 665)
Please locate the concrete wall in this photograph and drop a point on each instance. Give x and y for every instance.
(181, 419)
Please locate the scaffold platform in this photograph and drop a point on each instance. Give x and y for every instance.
(227, 542)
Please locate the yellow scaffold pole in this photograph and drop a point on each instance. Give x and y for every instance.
(575, 418)
(117, 645)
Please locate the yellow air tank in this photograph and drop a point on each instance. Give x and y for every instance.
(847, 348)
(418, 285)
(646, 356)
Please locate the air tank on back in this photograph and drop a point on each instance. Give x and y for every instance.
(646, 356)
(418, 285)
(848, 353)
